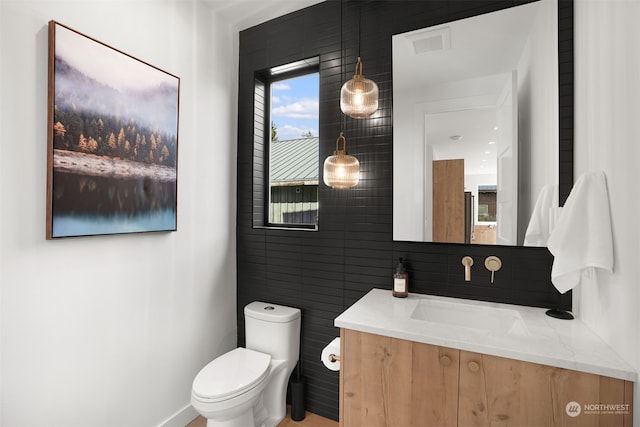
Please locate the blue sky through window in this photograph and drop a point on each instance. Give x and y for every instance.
(294, 106)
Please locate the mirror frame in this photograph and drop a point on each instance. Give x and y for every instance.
(566, 98)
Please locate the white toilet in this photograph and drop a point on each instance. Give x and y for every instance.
(247, 387)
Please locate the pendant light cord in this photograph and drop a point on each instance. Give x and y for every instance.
(359, 27)
(343, 59)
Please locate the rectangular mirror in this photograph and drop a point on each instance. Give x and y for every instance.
(475, 113)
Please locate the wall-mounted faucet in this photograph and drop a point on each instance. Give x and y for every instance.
(493, 264)
(467, 262)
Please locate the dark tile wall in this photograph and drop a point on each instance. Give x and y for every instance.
(325, 271)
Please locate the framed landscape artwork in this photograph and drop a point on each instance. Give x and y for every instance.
(112, 140)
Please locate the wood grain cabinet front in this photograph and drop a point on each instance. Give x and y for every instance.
(389, 382)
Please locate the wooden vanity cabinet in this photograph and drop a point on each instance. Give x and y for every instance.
(390, 382)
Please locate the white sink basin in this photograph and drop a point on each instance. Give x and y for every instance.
(488, 319)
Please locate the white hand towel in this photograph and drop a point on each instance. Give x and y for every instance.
(582, 240)
(543, 217)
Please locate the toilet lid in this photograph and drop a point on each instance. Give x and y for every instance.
(231, 374)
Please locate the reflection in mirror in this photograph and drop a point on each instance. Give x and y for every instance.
(475, 125)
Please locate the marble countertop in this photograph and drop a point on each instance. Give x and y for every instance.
(521, 333)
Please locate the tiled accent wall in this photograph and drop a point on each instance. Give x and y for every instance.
(323, 272)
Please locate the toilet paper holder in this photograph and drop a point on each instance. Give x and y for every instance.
(330, 355)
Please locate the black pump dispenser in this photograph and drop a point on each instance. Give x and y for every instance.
(400, 281)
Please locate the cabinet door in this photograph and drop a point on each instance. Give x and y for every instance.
(495, 391)
(387, 382)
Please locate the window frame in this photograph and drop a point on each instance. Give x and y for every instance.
(263, 80)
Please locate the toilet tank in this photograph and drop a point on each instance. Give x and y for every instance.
(273, 329)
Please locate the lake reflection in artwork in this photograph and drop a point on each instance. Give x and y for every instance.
(86, 205)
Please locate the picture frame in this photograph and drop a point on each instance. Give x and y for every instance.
(112, 145)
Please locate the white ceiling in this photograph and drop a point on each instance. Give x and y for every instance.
(477, 138)
(480, 46)
(243, 14)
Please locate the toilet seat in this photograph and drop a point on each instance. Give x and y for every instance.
(232, 374)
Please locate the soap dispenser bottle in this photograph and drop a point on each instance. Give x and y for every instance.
(400, 281)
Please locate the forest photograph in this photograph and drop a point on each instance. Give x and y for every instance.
(112, 141)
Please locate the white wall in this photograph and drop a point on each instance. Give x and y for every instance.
(110, 331)
(538, 114)
(607, 138)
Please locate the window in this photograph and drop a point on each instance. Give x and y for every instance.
(487, 203)
(286, 146)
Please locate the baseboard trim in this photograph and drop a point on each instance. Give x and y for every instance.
(180, 418)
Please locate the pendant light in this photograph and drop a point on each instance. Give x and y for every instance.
(359, 96)
(341, 170)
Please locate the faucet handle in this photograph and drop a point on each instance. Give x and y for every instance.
(493, 264)
(467, 262)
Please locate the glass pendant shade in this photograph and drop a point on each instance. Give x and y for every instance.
(341, 170)
(359, 96)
